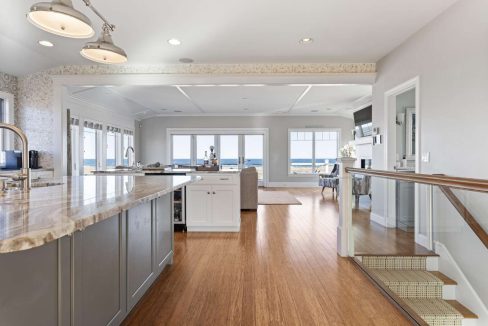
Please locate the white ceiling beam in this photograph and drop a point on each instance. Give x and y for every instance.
(309, 87)
(190, 99)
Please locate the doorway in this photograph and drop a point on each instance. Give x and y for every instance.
(402, 146)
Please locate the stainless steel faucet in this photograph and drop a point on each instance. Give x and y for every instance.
(24, 174)
(127, 153)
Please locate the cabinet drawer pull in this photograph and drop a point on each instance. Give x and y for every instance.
(214, 192)
(208, 192)
(224, 178)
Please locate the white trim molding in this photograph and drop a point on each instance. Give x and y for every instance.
(390, 151)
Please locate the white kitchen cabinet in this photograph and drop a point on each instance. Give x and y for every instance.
(198, 202)
(213, 204)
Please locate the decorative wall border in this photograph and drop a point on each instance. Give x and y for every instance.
(274, 68)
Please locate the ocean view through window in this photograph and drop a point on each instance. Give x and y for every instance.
(312, 151)
(236, 149)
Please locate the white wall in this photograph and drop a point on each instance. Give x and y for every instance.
(450, 56)
(153, 136)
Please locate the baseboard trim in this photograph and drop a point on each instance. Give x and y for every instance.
(381, 220)
(233, 228)
(292, 184)
(465, 293)
(422, 240)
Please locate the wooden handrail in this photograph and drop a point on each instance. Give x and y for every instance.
(445, 183)
(465, 214)
(480, 185)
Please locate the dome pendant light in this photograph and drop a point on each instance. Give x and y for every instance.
(60, 18)
(104, 50)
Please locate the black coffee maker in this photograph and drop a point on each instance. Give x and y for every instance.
(34, 159)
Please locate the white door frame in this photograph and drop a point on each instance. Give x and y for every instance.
(390, 156)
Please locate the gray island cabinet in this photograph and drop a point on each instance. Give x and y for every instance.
(101, 244)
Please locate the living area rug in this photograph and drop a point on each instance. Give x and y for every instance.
(276, 198)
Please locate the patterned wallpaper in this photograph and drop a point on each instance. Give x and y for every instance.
(8, 83)
(35, 92)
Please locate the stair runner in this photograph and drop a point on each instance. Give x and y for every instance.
(419, 289)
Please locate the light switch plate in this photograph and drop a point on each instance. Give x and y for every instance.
(426, 157)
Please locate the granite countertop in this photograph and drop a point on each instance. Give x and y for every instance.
(44, 214)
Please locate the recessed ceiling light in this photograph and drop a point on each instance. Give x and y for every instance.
(306, 40)
(174, 41)
(186, 60)
(46, 43)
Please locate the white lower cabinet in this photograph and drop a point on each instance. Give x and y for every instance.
(213, 205)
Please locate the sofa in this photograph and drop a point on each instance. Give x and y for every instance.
(249, 188)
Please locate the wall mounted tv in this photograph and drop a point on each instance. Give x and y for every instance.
(363, 120)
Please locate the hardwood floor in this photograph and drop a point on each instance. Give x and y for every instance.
(373, 239)
(281, 269)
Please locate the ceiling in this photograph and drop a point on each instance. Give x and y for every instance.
(142, 102)
(231, 31)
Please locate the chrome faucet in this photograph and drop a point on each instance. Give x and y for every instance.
(24, 174)
(127, 153)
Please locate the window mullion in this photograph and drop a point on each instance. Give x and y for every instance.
(313, 152)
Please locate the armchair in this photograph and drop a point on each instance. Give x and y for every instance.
(330, 180)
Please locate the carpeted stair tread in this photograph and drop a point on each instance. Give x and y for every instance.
(435, 312)
(411, 283)
(419, 291)
(407, 277)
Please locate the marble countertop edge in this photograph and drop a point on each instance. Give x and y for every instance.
(38, 237)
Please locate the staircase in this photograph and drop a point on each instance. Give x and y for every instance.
(425, 294)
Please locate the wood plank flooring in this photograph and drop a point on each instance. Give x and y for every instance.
(281, 269)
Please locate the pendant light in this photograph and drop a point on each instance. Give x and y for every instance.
(104, 50)
(60, 18)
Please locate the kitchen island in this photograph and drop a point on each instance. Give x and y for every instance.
(85, 251)
(212, 205)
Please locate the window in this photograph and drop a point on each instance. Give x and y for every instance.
(203, 145)
(92, 133)
(75, 146)
(254, 153)
(181, 149)
(312, 151)
(235, 149)
(112, 149)
(229, 151)
(2, 119)
(6, 116)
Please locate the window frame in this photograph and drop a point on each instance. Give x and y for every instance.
(217, 132)
(313, 131)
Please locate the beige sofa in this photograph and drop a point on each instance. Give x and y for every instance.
(249, 188)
